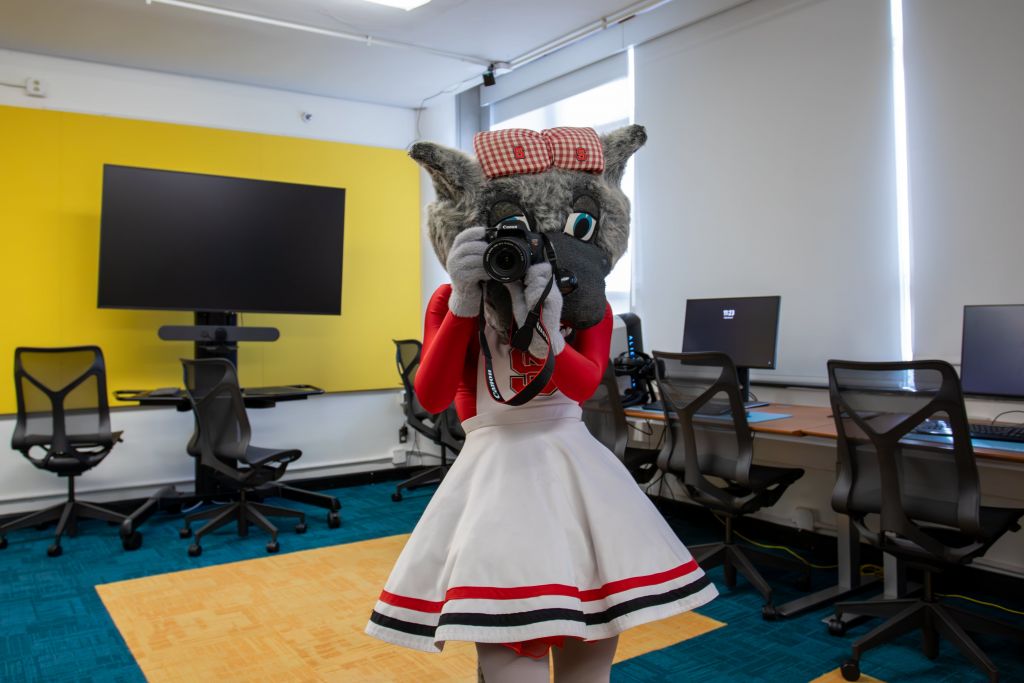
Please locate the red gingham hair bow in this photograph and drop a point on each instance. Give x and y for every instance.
(519, 150)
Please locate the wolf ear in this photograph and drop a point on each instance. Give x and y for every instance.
(619, 146)
(453, 172)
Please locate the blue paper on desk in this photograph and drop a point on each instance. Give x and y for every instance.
(1015, 446)
(753, 416)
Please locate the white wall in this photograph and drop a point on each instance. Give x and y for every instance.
(136, 94)
(338, 433)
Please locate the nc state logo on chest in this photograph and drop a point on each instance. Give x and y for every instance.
(524, 368)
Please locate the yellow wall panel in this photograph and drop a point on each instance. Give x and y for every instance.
(51, 174)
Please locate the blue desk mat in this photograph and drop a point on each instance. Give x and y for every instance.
(752, 416)
(1014, 446)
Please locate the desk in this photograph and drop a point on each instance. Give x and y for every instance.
(802, 418)
(254, 397)
(817, 422)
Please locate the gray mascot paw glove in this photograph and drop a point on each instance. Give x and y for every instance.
(465, 266)
(525, 296)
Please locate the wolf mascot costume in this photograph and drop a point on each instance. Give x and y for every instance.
(538, 536)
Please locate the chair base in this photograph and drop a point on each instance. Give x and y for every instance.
(932, 619)
(245, 512)
(734, 559)
(66, 515)
(432, 475)
(322, 500)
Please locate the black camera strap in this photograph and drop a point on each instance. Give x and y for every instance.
(521, 335)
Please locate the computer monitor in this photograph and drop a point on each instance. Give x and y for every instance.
(992, 351)
(746, 328)
(207, 243)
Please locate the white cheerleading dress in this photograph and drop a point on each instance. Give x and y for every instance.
(537, 531)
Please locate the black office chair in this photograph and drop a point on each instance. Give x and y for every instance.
(927, 498)
(444, 429)
(693, 387)
(62, 409)
(224, 433)
(602, 413)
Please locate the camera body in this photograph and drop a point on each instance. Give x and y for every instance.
(512, 248)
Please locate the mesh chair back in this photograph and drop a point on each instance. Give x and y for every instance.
(62, 398)
(602, 413)
(407, 357)
(212, 386)
(702, 389)
(875, 407)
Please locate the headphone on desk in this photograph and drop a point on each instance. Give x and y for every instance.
(641, 369)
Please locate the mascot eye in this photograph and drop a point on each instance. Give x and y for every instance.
(581, 225)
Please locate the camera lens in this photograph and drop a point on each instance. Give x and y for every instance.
(505, 260)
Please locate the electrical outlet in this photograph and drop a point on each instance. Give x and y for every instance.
(399, 456)
(35, 87)
(804, 518)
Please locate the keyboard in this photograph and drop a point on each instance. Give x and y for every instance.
(979, 430)
(997, 432)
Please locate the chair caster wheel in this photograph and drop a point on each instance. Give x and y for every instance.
(195, 550)
(850, 671)
(300, 528)
(397, 497)
(54, 550)
(836, 627)
(333, 520)
(769, 613)
(132, 542)
(184, 533)
(3, 542)
(273, 547)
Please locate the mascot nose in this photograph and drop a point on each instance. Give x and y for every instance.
(567, 282)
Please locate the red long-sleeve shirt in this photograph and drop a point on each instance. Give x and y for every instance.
(448, 362)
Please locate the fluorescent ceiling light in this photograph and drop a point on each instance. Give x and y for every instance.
(400, 4)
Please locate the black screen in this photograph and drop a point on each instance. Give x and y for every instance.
(992, 353)
(745, 328)
(188, 241)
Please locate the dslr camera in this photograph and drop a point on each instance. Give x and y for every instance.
(512, 248)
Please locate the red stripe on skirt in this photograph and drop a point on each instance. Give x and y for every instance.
(523, 592)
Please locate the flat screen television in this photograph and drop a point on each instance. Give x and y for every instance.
(206, 243)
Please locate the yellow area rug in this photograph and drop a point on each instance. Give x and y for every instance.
(836, 677)
(300, 617)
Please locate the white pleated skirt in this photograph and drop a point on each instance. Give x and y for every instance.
(537, 531)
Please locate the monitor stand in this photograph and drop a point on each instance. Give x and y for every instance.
(743, 375)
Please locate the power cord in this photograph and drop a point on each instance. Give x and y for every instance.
(767, 546)
(1005, 412)
(980, 602)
